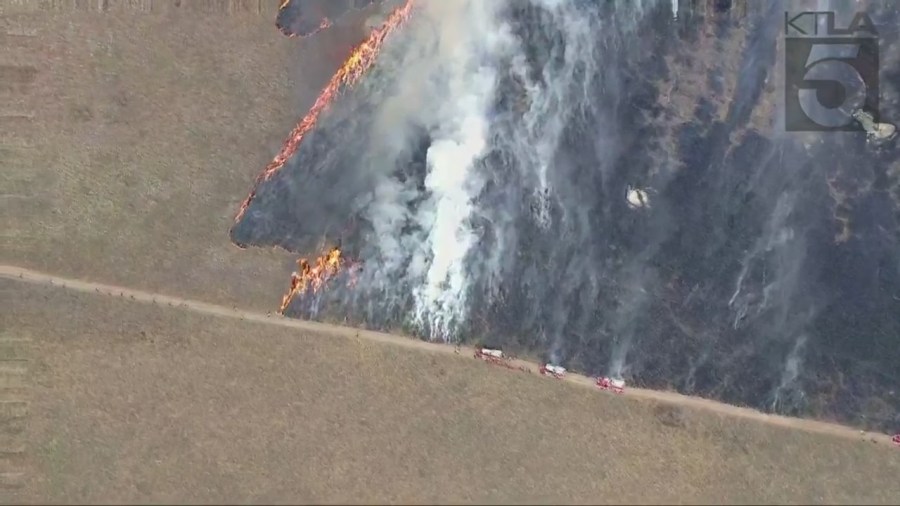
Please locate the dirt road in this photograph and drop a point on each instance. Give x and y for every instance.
(29, 276)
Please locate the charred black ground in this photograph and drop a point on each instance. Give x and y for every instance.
(766, 271)
(304, 17)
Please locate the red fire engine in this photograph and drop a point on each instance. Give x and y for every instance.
(616, 385)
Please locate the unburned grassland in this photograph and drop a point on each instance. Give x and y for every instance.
(134, 402)
(133, 136)
(127, 140)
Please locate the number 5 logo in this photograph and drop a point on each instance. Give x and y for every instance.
(827, 80)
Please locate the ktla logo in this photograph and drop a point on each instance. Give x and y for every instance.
(830, 72)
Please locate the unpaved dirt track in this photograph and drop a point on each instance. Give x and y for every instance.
(34, 277)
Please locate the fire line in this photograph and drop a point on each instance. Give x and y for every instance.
(314, 276)
(354, 67)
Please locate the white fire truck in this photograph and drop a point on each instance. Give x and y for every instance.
(489, 354)
(616, 385)
(556, 371)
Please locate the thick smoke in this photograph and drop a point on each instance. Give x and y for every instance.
(480, 172)
(455, 84)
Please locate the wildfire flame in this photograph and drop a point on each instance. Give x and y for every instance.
(313, 276)
(360, 60)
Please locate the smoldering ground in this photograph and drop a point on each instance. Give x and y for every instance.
(479, 172)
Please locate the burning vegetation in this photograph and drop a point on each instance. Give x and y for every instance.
(354, 67)
(313, 276)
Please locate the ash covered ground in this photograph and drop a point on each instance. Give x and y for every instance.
(302, 18)
(479, 173)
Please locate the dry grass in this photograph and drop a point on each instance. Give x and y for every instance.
(147, 129)
(136, 403)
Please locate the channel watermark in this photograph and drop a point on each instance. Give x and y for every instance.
(831, 72)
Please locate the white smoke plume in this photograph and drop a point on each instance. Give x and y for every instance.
(483, 165)
(457, 51)
(446, 84)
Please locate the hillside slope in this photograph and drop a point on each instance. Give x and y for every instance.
(138, 132)
(128, 139)
(135, 403)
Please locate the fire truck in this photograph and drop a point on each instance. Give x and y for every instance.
(491, 354)
(556, 371)
(616, 385)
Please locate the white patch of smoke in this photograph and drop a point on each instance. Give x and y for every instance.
(446, 81)
(453, 184)
(792, 365)
(553, 99)
(558, 95)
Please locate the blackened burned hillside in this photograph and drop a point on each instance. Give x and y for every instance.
(488, 191)
(305, 17)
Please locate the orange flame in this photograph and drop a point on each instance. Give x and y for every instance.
(313, 277)
(359, 61)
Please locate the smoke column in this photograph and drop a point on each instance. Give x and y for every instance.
(480, 171)
(459, 133)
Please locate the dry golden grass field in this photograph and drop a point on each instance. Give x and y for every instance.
(144, 131)
(131, 402)
(127, 139)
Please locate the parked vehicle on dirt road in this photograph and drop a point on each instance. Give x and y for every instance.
(490, 354)
(616, 385)
(556, 371)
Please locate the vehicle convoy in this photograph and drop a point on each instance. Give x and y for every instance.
(616, 385)
(494, 355)
(556, 371)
